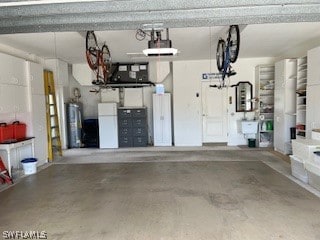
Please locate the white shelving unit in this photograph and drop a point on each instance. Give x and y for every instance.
(285, 104)
(301, 108)
(265, 110)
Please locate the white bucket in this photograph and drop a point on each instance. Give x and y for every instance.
(29, 166)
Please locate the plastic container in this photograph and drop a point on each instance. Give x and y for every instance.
(19, 130)
(298, 169)
(316, 157)
(314, 175)
(304, 148)
(6, 132)
(315, 134)
(29, 165)
(251, 142)
(159, 89)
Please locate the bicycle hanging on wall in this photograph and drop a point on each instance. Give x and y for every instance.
(227, 53)
(99, 59)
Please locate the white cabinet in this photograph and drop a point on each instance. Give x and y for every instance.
(7, 99)
(12, 70)
(313, 113)
(313, 66)
(35, 77)
(265, 92)
(162, 119)
(14, 98)
(284, 104)
(38, 113)
(313, 88)
(21, 99)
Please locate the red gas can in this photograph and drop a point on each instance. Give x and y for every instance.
(19, 130)
(6, 132)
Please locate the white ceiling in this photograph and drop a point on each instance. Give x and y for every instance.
(264, 40)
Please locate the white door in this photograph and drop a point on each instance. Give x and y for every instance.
(214, 112)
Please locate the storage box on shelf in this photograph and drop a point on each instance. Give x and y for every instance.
(265, 111)
(301, 90)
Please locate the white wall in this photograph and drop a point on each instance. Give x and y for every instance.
(245, 68)
(187, 108)
(18, 101)
(90, 100)
(159, 72)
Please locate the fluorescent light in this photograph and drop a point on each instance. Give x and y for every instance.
(160, 51)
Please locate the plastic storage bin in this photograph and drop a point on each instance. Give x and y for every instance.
(315, 134)
(316, 157)
(159, 89)
(314, 175)
(6, 132)
(251, 142)
(298, 170)
(29, 165)
(304, 148)
(19, 130)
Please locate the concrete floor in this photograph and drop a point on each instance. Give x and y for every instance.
(218, 194)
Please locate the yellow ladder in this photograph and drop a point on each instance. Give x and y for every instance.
(54, 141)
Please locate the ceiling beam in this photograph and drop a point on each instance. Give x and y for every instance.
(132, 14)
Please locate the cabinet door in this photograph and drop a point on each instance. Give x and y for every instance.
(6, 69)
(18, 66)
(39, 128)
(162, 120)
(35, 72)
(157, 128)
(166, 125)
(21, 99)
(313, 113)
(313, 66)
(12, 70)
(7, 99)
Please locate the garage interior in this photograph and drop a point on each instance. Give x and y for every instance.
(199, 175)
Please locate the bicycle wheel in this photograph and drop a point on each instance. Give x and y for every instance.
(92, 50)
(220, 54)
(105, 61)
(234, 42)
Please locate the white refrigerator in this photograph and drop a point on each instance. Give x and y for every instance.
(108, 125)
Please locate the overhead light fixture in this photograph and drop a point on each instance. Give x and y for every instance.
(158, 46)
(160, 51)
